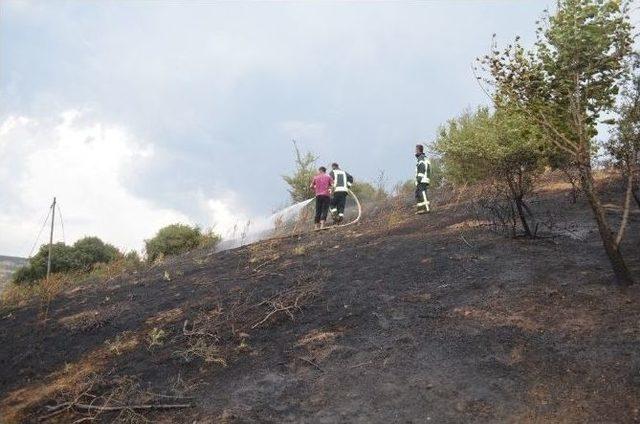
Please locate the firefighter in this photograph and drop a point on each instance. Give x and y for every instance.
(342, 181)
(423, 177)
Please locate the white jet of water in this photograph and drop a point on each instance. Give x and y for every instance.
(288, 214)
(263, 228)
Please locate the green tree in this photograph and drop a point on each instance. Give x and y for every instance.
(91, 250)
(300, 181)
(82, 256)
(365, 191)
(624, 145)
(502, 148)
(437, 173)
(566, 84)
(178, 238)
(368, 192)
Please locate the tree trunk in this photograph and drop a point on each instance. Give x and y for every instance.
(516, 196)
(622, 274)
(523, 219)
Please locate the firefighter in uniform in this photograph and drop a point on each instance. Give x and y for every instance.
(342, 181)
(423, 176)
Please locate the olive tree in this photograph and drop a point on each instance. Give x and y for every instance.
(299, 182)
(175, 239)
(501, 148)
(566, 84)
(83, 255)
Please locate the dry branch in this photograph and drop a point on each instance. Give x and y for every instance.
(311, 363)
(63, 407)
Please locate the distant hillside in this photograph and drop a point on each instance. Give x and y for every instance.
(8, 264)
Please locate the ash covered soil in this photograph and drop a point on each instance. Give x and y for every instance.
(398, 319)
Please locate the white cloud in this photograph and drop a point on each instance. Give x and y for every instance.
(225, 215)
(214, 87)
(84, 164)
(315, 131)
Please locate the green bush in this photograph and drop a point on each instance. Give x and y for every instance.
(178, 238)
(91, 250)
(132, 259)
(300, 181)
(367, 192)
(82, 256)
(502, 149)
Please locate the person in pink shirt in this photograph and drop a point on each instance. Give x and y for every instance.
(321, 185)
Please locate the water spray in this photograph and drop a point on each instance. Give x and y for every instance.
(267, 227)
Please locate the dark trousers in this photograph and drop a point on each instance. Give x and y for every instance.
(422, 204)
(322, 208)
(338, 203)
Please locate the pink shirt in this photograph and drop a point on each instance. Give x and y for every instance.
(321, 184)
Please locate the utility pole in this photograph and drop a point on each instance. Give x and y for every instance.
(53, 218)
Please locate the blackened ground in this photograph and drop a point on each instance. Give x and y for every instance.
(397, 319)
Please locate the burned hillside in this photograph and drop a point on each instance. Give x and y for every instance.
(398, 318)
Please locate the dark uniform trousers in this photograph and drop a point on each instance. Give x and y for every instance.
(421, 197)
(338, 203)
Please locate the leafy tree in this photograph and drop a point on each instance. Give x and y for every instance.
(566, 84)
(502, 148)
(300, 181)
(178, 238)
(132, 259)
(365, 191)
(82, 256)
(91, 250)
(437, 173)
(624, 145)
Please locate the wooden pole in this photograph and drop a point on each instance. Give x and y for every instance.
(53, 218)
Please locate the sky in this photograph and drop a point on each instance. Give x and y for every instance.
(139, 114)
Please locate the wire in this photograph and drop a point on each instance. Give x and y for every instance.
(40, 233)
(64, 239)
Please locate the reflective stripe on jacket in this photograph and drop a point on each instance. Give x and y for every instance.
(341, 180)
(423, 171)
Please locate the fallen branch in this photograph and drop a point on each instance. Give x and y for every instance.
(310, 363)
(465, 240)
(84, 407)
(270, 314)
(361, 365)
(170, 396)
(88, 407)
(275, 258)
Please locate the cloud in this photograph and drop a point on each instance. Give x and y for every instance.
(84, 164)
(205, 97)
